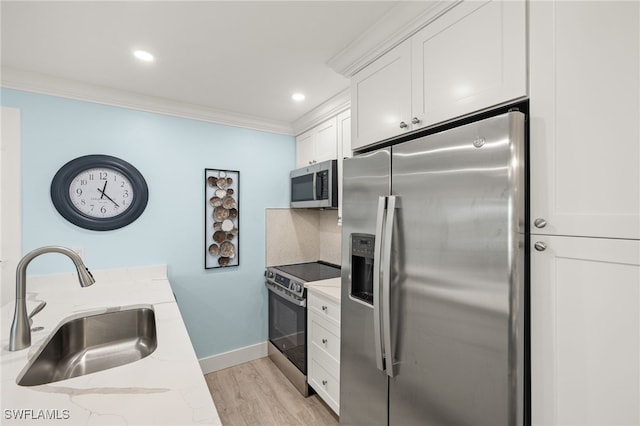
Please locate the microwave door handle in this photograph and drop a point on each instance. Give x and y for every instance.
(319, 185)
(315, 197)
(377, 257)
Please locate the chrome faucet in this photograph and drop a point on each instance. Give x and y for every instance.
(20, 336)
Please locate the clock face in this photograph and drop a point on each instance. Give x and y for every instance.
(99, 192)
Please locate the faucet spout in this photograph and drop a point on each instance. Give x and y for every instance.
(20, 337)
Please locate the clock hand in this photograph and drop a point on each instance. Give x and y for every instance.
(102, 192)
(103, 189)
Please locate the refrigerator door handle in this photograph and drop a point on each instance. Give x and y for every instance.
(386, 286)
(377, 257)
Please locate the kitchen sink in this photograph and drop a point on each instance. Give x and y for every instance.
(92, 343)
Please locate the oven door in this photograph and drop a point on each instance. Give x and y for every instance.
(288, 325)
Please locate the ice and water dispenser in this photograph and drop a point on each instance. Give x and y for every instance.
(362, 248)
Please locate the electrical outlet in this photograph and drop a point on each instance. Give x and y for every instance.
(80, 252)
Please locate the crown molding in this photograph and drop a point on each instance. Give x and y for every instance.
(41, 83)
(331, 107)
(401, 22)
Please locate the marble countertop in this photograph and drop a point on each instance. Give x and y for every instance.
(165, 388)
(329, 288)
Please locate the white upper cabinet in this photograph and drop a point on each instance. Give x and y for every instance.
(326, 140)
(305, 148)
(585, 109)
(471, 58)
(381, 98)
(318, 144)
(344, 134)
(344, 151)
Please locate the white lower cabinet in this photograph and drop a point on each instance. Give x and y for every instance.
(585, 331)
(323, 343)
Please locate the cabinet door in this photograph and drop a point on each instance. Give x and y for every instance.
(585, 104)
(344, 135)
(305, 149)
(472, 58)
(326, 140)
(381, 97)
(344, 151)
(585, 331)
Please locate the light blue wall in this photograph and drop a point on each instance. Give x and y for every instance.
(224, 309)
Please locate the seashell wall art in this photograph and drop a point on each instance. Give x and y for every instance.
(222, 218)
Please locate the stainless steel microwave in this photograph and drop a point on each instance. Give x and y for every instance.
(315, 186)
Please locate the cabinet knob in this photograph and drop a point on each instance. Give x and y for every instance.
(403, 125)
(324, 341)
(539, 223)
(540, 246)
(324, 383)
(324, 308)
(415, 120)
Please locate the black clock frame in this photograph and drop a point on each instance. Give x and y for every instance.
(62, 200)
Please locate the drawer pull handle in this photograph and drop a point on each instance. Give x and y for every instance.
(324, 308)
(324, 341)
(324, 383)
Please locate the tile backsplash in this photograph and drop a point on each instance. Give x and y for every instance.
(330, 235)
(302, 235)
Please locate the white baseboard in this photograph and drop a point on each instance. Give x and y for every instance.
(231, 358)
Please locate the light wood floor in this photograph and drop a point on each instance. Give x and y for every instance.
(257, 393)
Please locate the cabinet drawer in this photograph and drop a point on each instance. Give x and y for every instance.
(322, 357)
(325, 384)
(324, 337)
(324, 307)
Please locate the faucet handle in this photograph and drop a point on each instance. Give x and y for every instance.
(37, 309)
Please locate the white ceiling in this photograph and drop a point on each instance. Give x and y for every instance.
(240, 57)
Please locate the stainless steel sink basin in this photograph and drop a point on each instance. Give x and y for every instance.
(92, 343)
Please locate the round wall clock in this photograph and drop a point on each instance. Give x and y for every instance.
(99, 192)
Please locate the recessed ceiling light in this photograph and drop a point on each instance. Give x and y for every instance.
(143, 55)
(298, 97)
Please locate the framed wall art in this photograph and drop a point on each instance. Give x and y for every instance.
(222, 218)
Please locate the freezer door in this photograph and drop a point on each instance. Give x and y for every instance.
(363, 387)
(457, 282)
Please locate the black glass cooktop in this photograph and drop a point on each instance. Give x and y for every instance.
(312, 271)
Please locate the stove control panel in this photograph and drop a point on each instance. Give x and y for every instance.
(285, 282)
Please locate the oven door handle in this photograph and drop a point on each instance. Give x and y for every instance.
(285, 295)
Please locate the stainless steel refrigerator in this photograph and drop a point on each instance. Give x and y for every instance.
(433, 279)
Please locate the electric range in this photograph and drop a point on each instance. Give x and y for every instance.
(288, 316)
